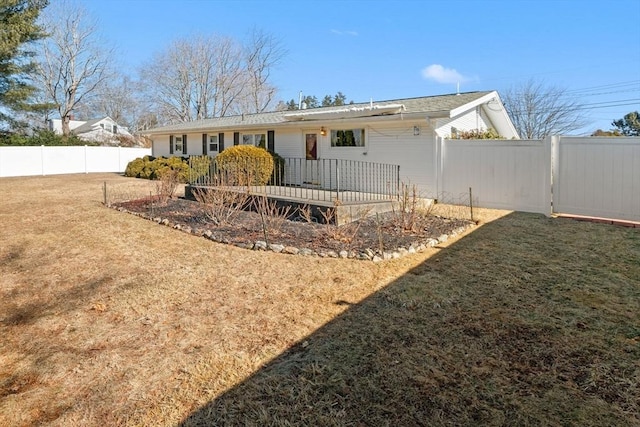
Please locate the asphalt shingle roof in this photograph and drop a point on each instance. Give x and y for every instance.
(86, 127)
(424, 104)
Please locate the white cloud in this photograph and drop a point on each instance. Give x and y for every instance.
(439, 74)
(342, 33)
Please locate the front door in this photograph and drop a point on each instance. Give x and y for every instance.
(311, 170)
(311, 140)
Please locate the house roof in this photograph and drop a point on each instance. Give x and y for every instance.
(438, 106)
(86, 126)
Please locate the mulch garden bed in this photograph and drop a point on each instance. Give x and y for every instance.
(380, 236)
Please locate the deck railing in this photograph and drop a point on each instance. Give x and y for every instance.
(327, 180)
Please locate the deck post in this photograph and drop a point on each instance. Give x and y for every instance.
(337, 180)
(397, 179)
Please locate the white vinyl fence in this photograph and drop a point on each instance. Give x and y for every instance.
(566, 175)
(597, 177)
(47, 160)
(502, 174)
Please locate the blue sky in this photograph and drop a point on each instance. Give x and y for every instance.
(395, 49)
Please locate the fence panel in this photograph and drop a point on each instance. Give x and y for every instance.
(45, 160)
(503, 174)
(597, 177)
(60, 160)
(20, 161)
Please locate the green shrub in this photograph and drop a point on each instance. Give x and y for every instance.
(174, 163)
(149, 167)
(134, 168)
(245, 165)
(199, 166)
(41, 137)
(480, 134)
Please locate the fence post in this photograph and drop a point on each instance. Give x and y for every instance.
(552, 174)
(42, 159)
(471, 203)
(86, 167)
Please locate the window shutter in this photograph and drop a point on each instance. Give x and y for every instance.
(170, 144)
(184, 144)
(236, 138)
(220, 142)
(271, 141)
(204, 144)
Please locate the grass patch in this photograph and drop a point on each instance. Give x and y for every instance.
(108, 319)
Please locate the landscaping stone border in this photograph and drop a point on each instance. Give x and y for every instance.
(260, 245)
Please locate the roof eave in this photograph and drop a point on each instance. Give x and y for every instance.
(472, 104)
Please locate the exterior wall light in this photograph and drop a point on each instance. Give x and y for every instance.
(323, 131)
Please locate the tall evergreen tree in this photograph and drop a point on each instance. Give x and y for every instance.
(18, 28)
(629, 125)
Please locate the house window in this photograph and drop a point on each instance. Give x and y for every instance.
(347, 138)
(178, 144)
(115, 128)
(258, 139)
(213, 142)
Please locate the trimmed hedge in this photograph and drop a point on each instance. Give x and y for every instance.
(149, 167)
(245, 165)
(41, 137)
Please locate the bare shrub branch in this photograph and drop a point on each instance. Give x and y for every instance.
(272, 216)
(221, 203)
(405, 214)
(306, 213)
(166, 184)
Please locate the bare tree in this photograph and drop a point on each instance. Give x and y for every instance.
(117, 98)
(262, 53)
(538, 111)
(74, 63)
(212, 76)
(195, 78)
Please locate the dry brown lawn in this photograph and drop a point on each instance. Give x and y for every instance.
(109, 319)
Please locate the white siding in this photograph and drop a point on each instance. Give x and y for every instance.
(289, 143)
(474, 119)
(56, 125)
(415, 154)
(160, 146)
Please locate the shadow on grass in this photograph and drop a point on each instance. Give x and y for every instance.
(528, 320)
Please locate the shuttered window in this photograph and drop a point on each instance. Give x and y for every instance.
(271, 141)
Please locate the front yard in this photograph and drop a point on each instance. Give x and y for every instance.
(109, 319)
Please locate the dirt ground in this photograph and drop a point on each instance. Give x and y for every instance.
(110, 319)
(385, 232)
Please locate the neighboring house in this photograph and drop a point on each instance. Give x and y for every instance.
(403, 132)
(104, 131)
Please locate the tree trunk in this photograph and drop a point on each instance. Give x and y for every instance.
(66, 130)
